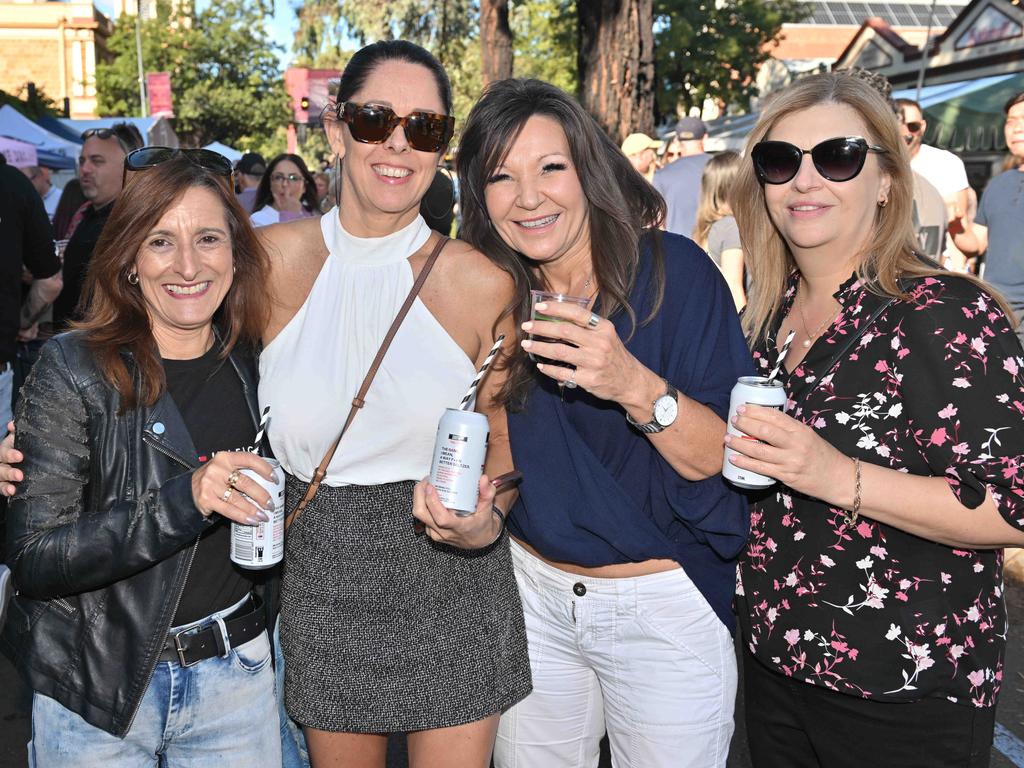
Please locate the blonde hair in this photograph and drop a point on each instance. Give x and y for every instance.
(888, 254)
(715, 187)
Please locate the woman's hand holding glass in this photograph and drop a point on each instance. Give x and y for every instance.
(793, 453)
(600, 362)
(442, 525)
(219, 486)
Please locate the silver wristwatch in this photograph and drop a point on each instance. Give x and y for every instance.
(665, 410)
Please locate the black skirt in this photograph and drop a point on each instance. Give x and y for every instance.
(385, 631)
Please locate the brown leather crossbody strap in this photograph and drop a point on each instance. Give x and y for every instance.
(360, 399)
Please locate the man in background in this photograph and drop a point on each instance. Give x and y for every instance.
(679, 182)
(100, 171)
(39, 175)
(943, 170)
(997, 229)
(640, 150)
(248, 174)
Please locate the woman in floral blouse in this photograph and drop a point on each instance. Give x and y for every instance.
(870, 593)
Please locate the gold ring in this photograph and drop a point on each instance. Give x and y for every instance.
(227, 495)
(233, 478)
(593, 321)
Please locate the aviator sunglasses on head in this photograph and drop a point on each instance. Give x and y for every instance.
(149, 157)
(374, 123)
(840, 159)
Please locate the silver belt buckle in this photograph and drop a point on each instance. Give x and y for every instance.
(181, 651)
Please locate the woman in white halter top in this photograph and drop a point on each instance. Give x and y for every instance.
(384, 630)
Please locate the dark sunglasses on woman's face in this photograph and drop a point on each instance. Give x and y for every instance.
(839, 159)
(374, 123)
(150, 157)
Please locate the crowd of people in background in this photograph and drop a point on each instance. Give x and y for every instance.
(164, 298)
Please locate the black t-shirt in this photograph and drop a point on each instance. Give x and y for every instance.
(209, 395)
(77, 256)
(25, 239)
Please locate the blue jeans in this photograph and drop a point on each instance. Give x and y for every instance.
(220, 713)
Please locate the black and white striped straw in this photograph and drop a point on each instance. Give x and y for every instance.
(263, 428)
(480, 374)
(782, 356)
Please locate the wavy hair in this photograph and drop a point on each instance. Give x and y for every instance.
(888, 254)
(116, 316)
(621, 205)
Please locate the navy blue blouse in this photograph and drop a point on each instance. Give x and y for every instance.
(595, 491)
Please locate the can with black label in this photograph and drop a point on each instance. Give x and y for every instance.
(459, 453)
(752, 390)
(262, 546)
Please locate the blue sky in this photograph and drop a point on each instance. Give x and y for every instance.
(281, 26)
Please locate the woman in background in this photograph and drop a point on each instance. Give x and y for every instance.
(716, 230)
(287, 191)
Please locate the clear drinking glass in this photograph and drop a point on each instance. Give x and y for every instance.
(537, 297)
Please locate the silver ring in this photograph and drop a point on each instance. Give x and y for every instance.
(571, 383)
(233, 478)
(593, 321)
(226, 496)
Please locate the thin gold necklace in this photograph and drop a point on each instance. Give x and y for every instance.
(803, 319)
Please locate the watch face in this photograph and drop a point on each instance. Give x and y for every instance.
(665, 410)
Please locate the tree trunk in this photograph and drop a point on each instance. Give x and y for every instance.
(495, 40)
(616, 64)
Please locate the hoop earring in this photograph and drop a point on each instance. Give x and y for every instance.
(337, 182)
(133, 278)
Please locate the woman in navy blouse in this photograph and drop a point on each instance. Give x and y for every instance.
(871, 591)
(625, 534)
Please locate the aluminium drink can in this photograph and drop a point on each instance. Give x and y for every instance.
(262, 546)
(459, 453)
(750, 390)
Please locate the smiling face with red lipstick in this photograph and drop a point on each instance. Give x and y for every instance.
(382, 184)
(184, 269)
(814, 215)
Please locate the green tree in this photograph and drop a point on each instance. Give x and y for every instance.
(544, 39)
(225, 77)
(34, 105)
(713, 48)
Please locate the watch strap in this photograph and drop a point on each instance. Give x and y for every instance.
(652, 427)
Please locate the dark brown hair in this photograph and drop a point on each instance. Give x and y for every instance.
(264, 197)
(116, 317)
(621, 205)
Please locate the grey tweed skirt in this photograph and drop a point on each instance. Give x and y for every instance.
(385, 631)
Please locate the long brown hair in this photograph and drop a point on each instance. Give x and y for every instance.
(621, 205)
(888, 254)
(715, 188)
(116, 316)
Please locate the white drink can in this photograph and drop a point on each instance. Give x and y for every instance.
(750, 390)
(262, 546)
(459, 453)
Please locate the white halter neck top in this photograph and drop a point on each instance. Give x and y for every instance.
(312, 369)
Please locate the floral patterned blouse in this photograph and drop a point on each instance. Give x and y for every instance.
(933, 387)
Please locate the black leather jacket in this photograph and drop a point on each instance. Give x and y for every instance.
(100, 535)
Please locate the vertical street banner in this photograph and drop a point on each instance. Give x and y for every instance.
(158, 88)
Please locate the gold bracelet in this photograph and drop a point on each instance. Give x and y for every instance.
(851, 518)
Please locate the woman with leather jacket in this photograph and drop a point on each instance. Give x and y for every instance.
(139, 637)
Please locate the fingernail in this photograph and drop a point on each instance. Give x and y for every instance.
(728, 439)
(540, 366)
(252, 520)
(542, 305)
(527, 344)
(262, 516)
(269, 506)
(741, 409)
(527, 326)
